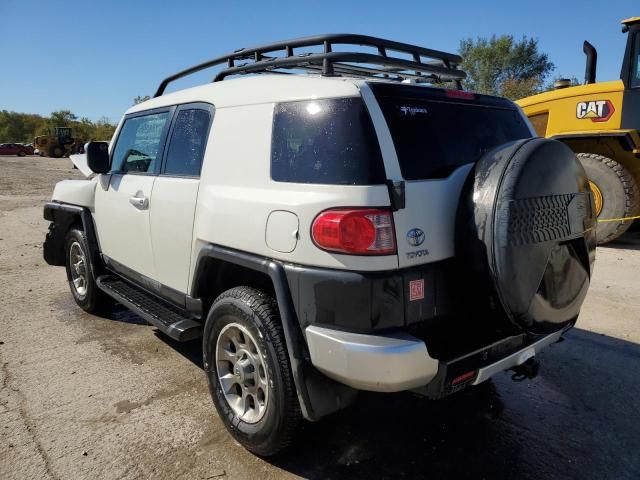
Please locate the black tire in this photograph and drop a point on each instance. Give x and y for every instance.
(620, 194)
(21, 154)
(91, 299)
(56, 152)
(525, 216)
(258, 313)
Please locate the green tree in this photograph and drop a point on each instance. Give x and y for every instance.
(62, 118)
(504, 66)
(103, 129)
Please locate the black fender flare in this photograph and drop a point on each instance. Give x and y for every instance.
(318, 395)
(62, 216)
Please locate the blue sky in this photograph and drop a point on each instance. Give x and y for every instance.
(95, 57)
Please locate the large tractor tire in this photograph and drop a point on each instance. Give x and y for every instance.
(56, 152)
(615, 193)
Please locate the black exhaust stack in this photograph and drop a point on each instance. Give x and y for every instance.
(592, 59)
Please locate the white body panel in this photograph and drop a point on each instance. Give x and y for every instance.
(237, 195)
(431, 207)
(172, 208)
(80, 162)
(122, 228)
(255, 90)
(283, 229)
(76, 192)
(231, 203)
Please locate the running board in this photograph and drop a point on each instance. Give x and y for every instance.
(168, 318)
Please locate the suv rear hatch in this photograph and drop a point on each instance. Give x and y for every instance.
(438, 135)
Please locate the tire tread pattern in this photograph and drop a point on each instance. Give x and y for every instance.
(539, 219)
(266, 308)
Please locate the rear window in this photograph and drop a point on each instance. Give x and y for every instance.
(326, 142)
(433, 138)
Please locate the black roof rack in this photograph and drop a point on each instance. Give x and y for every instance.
(424, 64)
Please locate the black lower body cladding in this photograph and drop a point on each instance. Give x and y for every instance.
(527, 226)
(366, 302)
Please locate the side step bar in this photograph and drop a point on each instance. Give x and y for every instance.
(169, 319)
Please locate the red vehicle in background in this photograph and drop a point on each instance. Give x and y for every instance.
(15, 149)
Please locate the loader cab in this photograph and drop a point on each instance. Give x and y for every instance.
(63, 133)
(630, 75)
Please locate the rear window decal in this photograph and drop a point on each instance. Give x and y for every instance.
(413, 110)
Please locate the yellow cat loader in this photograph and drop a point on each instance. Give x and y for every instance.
(56, 145)
(601, 124)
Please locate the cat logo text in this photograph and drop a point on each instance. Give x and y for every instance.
(596, 110)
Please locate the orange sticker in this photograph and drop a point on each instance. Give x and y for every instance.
(416, 290)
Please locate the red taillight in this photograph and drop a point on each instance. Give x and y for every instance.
(355, 231)
(465, 377)
(460, 94)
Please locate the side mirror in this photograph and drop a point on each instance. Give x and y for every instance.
(98, 156)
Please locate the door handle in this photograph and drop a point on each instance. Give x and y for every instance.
(141, 203)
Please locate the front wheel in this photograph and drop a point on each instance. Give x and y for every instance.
(615, 193)
(247, 367)
(80, 274)
(56, 152)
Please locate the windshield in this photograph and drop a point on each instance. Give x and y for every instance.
(635, 62)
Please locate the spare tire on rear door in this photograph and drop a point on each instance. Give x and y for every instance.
(527, 227)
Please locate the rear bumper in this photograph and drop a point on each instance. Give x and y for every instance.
(516, 358)
(380, 363)
(392, 363)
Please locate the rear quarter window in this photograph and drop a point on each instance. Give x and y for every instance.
(433, 138)
(325, 142)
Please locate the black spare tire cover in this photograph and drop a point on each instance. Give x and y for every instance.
(533, 217)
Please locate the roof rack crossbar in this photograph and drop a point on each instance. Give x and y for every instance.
(437, 65)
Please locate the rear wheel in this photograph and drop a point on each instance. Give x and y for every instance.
(615, 194)
(247, 366)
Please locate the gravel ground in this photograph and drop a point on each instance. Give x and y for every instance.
(83, 396)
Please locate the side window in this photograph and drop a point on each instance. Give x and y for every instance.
(187, 143)
(139, 143)
(325, 142)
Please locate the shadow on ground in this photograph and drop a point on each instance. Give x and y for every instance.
(628, 241)
(577, 419)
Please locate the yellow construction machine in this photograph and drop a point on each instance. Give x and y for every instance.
(57, 144)
(601, 123)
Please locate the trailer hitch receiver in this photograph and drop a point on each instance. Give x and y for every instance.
(528, 369)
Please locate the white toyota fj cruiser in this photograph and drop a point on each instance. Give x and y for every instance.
(338, 228)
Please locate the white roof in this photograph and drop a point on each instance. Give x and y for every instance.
(258, 89)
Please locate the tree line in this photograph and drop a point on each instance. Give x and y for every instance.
(18, 127)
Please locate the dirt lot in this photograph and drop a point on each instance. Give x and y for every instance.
(89, 397)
